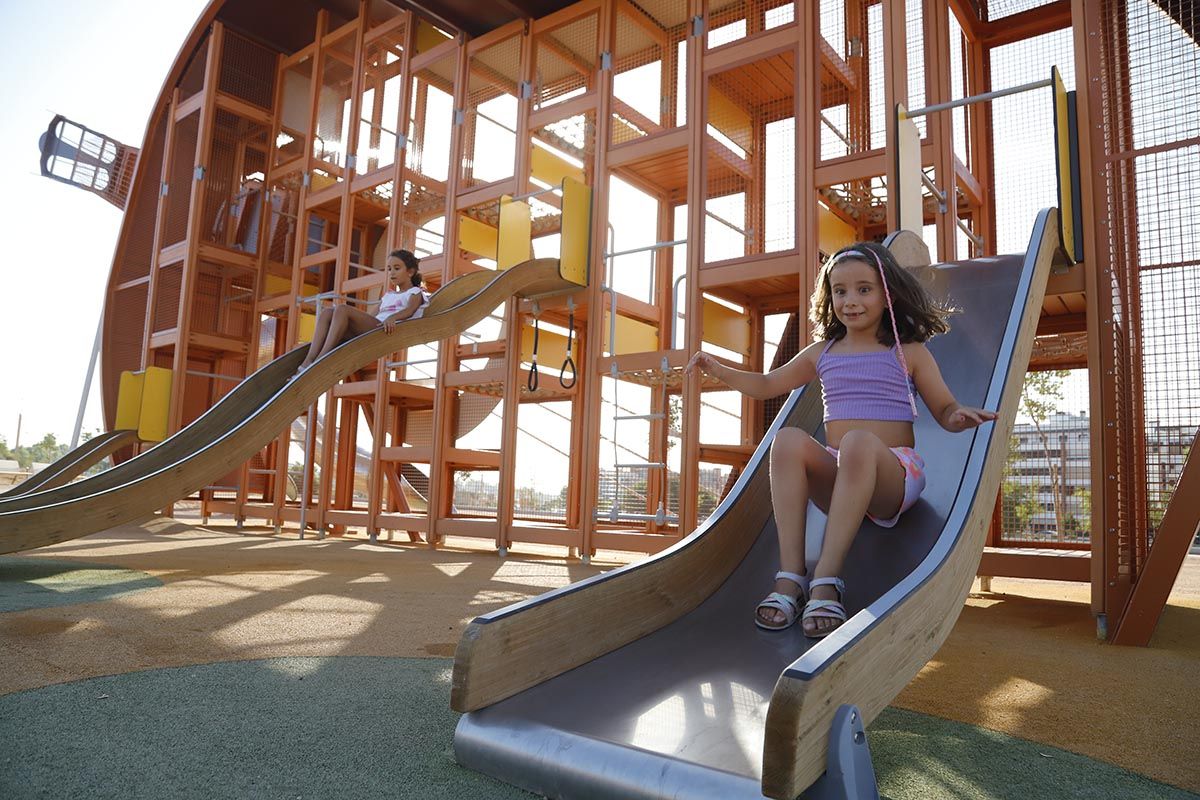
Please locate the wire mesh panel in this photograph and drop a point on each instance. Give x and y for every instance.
(490, 113)
(423, 218)
(192, 82)
(332, 135)
(851, 78)
(750, 160)
(1023, 134)
(431, 116)
(959, 87)
(1150, 76)
(223, 301)
(914, 33)
(139, 240)
(1046, 494)
(165, 315)
(232, 193)
(543, 461)
(733, 20)
(649, 69)
(296, 85)
(247, 70)
(369, 235)
(379, 116)
(283, 206)
(992, 10)
(180, 173)
(565, 61)
(123, 342)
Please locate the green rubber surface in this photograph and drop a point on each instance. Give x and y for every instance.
(42, 582)
(358, 727)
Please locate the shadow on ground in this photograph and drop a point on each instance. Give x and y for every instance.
(42, 583)
(381, 727)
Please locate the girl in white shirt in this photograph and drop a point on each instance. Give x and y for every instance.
(405, 299)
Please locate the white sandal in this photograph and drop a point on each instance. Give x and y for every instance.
(825, 609)
(778, 601)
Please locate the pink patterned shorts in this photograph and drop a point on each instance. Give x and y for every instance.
(914, 481)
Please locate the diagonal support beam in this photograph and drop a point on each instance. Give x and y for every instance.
(1175, 534)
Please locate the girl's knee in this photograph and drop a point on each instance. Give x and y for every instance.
(858, 447)
(794, 447)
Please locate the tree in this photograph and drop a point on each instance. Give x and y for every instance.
(1041, 396)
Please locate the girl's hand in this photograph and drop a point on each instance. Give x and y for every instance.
(703, 362)
(965, 417)
(389, 324)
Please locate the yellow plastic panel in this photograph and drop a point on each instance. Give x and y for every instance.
(552, 347)
(1066, 186)
(129, 401)
(428, 37)
(156, 404)
(515, 240)
(308, 326)
(551, 169)
(730, 119)
(908, 168)
(833, 232)
(277, 285)
(476, 237)
(633, 336)
(576, 231)
(726, 328)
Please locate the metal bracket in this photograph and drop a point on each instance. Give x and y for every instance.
(199, 173)
(306, 180)
(351, 161)
(854, 46)
(460, 116)
(525, 90)
(849, 774)
(163, 189)
(605, 60)
(697, 25)
(401, 141)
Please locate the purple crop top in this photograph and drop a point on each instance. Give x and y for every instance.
(864, 386)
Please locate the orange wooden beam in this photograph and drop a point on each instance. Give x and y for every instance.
(1171, 543)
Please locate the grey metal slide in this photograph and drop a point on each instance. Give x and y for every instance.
(652, 681)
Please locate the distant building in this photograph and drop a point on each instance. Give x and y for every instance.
(1060, 447)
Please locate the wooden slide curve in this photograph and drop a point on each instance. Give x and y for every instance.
(639, 671)
(250, 416)
(75, 463)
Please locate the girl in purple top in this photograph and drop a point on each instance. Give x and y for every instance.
(873, 318)
(403, 300)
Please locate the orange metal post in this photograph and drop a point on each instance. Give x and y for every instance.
(589, 374)
(441, 479)
(1097, 271)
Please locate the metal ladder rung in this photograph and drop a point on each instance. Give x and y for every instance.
(640, 416)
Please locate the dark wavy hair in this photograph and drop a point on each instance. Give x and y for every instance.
(918, 316)
(411, 262)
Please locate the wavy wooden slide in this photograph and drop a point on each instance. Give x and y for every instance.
(652, 681)
(73, 464)
(250, 416)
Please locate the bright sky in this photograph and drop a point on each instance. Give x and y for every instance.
(102, 65)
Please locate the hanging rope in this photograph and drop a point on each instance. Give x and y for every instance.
(532, 381)
(569, 363)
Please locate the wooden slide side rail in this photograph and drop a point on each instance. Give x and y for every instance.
(263, 405)
(870, 667)
(74, 463)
